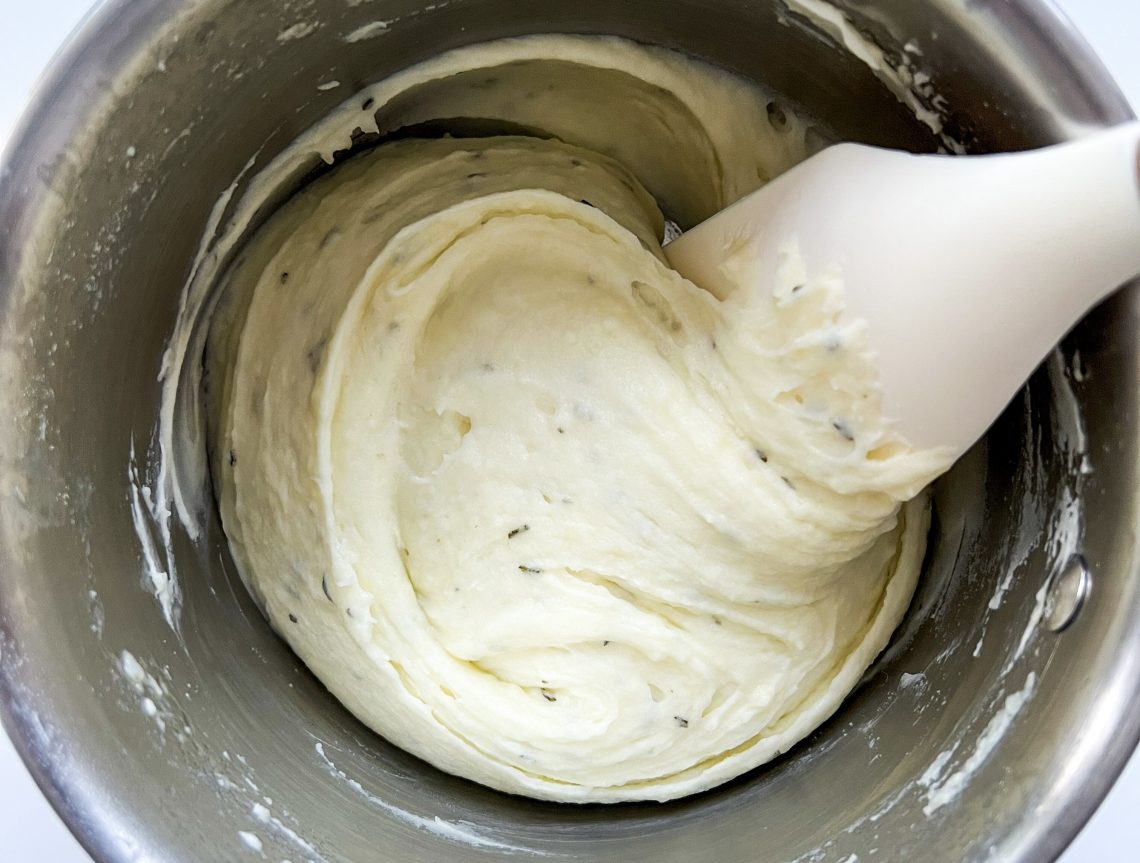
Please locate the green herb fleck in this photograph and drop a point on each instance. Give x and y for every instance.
(517, 531)
(841, 426)
(681, 721)
(530, 570)
(548, 695)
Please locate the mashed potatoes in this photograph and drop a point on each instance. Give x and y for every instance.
(533, 506)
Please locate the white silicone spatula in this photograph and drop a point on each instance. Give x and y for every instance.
(967, 270)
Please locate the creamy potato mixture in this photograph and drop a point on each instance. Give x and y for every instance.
(533, 506)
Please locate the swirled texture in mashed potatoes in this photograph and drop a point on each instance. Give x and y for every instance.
(533, 506)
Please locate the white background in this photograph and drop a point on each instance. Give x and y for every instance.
(29, 35)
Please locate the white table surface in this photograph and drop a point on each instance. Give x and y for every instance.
(30, 830)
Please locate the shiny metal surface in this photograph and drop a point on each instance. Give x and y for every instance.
(151, 113)
(1068, 591)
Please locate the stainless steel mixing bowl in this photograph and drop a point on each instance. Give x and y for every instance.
(990, 729)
